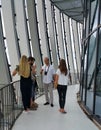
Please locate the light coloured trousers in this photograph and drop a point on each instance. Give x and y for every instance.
(48, 88)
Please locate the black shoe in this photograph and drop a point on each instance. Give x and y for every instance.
(47, 103)
(64, 112)
(52, 105)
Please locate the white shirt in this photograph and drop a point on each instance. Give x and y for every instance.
(63, 79)
(50, 72)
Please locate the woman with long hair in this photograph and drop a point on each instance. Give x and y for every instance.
(23, 69)
(61, 81)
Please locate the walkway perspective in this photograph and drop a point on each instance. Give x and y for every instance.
(49, 118)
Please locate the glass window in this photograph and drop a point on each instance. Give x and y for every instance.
(95, 20)
(98, 80)
(93, 8)
(91, 69)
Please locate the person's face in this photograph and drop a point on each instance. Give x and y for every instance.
(31, 62)
(46, 61)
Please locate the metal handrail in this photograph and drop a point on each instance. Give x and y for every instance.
(5, 85)
(9, 108)
(91, 33)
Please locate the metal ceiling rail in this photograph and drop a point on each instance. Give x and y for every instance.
(71, 8)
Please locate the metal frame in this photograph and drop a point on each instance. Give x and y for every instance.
(46, 28)
(26, 24)
(64, 10)
(9, 78)
(15, 30)
(86, 80)
(86, 42)
(97, 48)
(56, 33)
(65, 40)
(75, 48)
(38, 31)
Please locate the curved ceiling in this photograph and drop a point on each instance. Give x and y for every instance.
(72, 8)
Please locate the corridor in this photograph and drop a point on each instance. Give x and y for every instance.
(49, 118)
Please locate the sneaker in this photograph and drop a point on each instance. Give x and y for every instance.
(52, 105)
(47, 103)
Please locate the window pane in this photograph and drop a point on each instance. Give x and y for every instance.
(98, 81)
(91, 69)
(93, 7)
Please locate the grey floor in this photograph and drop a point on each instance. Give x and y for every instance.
(48, 118)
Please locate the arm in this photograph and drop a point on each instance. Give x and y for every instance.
(54, 77)
(34, 69)
(56, 80)
(14, 72)
(41, 71)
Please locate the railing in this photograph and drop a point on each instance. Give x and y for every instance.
(11, 103)
(9, 107)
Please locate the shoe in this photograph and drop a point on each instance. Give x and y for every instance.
(33, 108)
(52, 105)
(35, 105)
(47, 103)
(64, 112)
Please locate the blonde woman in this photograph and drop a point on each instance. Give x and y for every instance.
(61, 82)
(23, 69)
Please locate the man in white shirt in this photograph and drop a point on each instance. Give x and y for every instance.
(48, 77)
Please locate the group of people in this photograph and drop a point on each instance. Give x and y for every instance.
(59, 79)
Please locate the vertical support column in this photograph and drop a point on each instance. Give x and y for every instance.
(97, 53)
(15, 30)
(41, 16)
(51, 34)
(69, 46)
(4, 70)
(76, 43)
(8, 18)
(80, 28)
(76, 77)
(34, 36)
(21, 27)
(65, 41)
(47, 30)
(60, 37)
(55, 31)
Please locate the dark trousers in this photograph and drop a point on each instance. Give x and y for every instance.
(62, 95)
(34, 90)
(25, 86)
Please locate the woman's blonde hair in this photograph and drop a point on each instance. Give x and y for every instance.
(24, 67)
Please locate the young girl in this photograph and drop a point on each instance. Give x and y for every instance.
(61, 81)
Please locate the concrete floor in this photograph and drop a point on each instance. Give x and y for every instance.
(49, 118)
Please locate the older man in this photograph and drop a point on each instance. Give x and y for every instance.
(48, 77)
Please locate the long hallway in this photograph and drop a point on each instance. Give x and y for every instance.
(49, 118)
